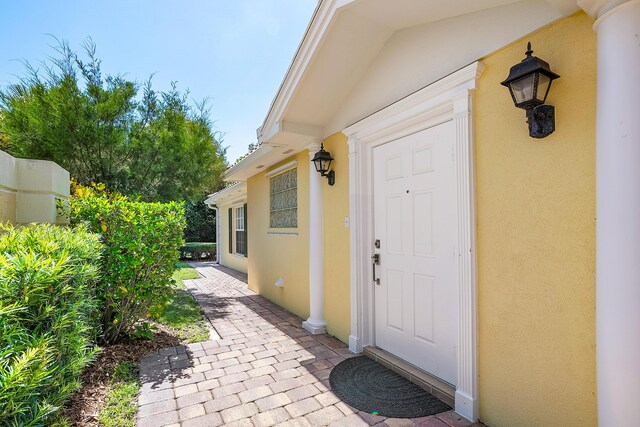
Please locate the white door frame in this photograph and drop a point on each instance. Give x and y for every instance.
(447, 99)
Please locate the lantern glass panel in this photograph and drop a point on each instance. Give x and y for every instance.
(544, 82)
(316, 163)
(522, 89)
(326, 164)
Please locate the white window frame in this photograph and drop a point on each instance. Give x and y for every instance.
(238, 214)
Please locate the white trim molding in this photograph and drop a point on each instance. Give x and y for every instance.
(447, 99)
(281, 169)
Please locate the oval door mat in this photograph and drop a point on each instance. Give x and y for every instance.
(371, 387)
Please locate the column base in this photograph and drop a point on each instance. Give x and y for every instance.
(466, 406)
(355, 344)
(314, 327)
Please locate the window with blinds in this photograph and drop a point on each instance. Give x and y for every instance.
(241, 232)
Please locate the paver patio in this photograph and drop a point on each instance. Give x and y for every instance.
(262, 370)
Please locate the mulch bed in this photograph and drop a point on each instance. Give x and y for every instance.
(82, 408)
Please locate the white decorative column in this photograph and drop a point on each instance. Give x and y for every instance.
(617, 210)
(316, 323)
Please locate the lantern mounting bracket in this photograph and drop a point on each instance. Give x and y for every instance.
(331, 177)
(541, 120)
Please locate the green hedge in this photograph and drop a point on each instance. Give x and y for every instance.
(141, 249)
(201, 221)
(47, 312)
(198, 251)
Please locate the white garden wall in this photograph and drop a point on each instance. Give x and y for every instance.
(30, 190)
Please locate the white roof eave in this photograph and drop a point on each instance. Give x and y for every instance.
(229, 194)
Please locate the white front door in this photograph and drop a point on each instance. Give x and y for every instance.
(415, 221)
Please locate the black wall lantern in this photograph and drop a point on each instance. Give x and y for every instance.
(322, 161)
(529, 83)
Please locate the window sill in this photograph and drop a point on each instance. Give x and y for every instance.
(282, 232)
(240, 256)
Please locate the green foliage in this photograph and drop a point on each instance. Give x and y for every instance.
(201, 222)
(198, 250)
(143, 330)
(141, 248)
(182, 313)
(120, 406)
(47, 311)
(135, 140)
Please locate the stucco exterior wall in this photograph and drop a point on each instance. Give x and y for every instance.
(280, 253)
(30, 190)
(230, 259)
(336, 241)
(536, 238)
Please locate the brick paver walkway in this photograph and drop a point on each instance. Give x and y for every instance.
(264, 369)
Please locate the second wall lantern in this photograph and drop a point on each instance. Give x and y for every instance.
(322, 161)
(529, 83)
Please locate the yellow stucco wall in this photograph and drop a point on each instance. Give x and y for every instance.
(336, 241)
(230, 259)
(273, 254)
(536, 239)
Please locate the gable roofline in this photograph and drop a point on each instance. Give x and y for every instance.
(278, 137)
(320, 20)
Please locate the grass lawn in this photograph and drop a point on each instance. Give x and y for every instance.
(183, 315)
(119, 409)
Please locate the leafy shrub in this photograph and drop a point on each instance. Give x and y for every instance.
(198, 250)
(141, 248)
(47, 312)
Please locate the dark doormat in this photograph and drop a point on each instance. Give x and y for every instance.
(371, 387)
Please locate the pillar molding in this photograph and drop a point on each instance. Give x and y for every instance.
(356, 335)
(617, 210)
(316, 323)
(466, 397)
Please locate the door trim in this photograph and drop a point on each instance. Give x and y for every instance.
(450, 98)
